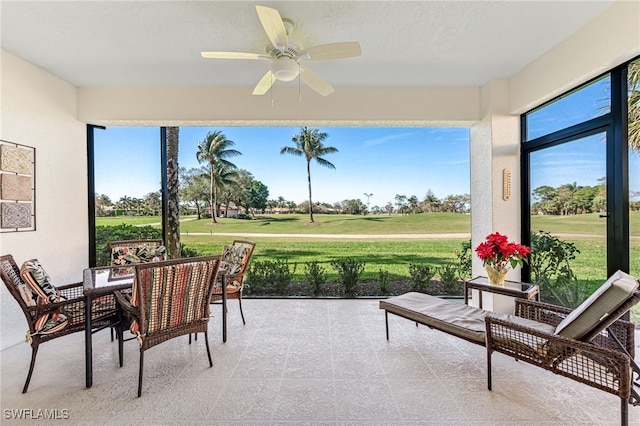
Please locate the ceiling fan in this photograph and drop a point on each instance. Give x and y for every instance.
(286, 57)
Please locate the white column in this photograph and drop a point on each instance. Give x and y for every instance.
(495, 146)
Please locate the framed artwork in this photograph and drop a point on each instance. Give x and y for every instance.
(17, 187)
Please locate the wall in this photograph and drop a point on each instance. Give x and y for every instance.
(347, 106)
(40, 110)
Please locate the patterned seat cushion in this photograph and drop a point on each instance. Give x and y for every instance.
(121, 256)
(234, 258)
(43, 292)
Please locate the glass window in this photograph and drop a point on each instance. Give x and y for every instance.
(127, 182)
(582, 104)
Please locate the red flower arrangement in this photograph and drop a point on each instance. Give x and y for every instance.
(499, 253)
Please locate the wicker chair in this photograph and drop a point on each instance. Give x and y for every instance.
(590, 344)
(70, 307)
(169, 299)
(128, 253)
(234, 261)
(603, 358)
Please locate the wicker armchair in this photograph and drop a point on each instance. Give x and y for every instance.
(603, 358)
(234, 261)
(69, 310)
(169, 299)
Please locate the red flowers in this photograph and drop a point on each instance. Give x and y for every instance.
(497, 252)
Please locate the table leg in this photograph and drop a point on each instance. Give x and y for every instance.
(88, 348)
(224, 309)
(480, 299)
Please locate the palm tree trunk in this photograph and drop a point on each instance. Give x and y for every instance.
(212, 194)
(310, 202)
(172, 238)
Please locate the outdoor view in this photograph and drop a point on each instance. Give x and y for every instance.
(390, 207)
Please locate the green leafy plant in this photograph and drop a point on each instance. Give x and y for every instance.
(449, 278)
(263, 276)
(550, 263)
(349, 271)
(315, 275)
(383, 281)
(463, 258)
(420, 276)
(189, 252)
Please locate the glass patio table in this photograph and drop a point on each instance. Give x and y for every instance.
(100, 281)
(511, 288)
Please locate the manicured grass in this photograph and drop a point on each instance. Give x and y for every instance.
(392, 256)
(131, 220)
(585, 224)
(427, 223)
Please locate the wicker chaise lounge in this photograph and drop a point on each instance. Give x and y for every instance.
(590, 344)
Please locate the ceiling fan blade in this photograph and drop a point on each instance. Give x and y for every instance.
(273, 26)
(323, 52)
(233, 55)
(314, 81)
(265, 83)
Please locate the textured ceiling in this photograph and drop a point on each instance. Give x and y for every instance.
(405, 43)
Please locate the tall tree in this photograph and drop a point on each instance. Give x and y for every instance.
(214, 150)
(633, 77)
(309, 144)
(172, 233)
(195, 188)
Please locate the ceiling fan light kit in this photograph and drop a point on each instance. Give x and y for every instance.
(285, 69)
(286, 57)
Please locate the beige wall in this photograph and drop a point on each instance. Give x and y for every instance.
(40, 110)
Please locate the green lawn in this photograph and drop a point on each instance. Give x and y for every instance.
(131, 220)
(389, 255)
(428, 223)
(392, 255)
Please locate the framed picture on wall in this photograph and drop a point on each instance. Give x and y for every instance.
(17, 187)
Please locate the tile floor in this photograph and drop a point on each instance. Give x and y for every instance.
(300, 362)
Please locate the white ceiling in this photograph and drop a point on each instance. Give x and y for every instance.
(404, 43)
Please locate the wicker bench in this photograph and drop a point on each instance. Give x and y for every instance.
(603, 358)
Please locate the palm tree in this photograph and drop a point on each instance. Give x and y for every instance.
(309, 145)
(172, 233)
(214, 150)
(633, 78)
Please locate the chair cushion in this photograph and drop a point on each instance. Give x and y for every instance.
(40, 285)
(34, 274)
(233, 258)
(50, 323)
(613, 293)
(137, 254)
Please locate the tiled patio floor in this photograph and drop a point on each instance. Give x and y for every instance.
(300, 362)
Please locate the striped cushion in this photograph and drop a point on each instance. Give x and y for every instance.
(613, 293)
(168, 293)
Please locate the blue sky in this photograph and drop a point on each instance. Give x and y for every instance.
(379, 161)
